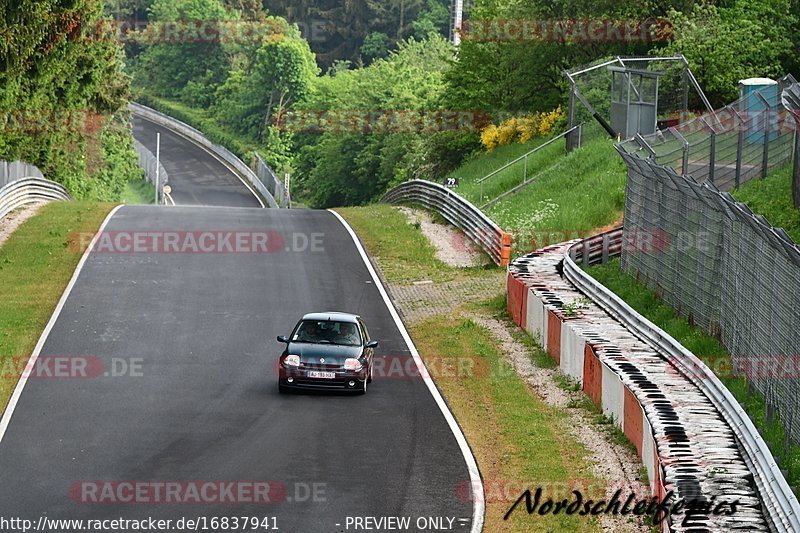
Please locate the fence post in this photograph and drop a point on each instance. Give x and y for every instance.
(766, 114)
(571, 117)
(685, 143)
(712, 151)
(525, 170)
(739, 148)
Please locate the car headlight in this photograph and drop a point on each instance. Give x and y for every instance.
(292, 360)
(352, 364)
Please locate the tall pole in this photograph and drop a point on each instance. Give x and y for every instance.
(158, 161)
(456, 18)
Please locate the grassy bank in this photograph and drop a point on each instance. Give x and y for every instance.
(138, 192)
(517, 439)
(772, 197)
(706, 348)
(403, 252)
(572, 194)
(36, 264)
(481, 164)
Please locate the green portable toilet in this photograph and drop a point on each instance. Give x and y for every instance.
(753, 107)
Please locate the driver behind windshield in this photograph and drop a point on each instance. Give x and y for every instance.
(309, 333)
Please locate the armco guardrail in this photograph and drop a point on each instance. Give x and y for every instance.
(197, 136)
(479, 228)
(780, 503)
(27, 191)
(691, 435)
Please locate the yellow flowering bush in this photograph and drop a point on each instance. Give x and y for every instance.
(521, 129)
(489, 137)
(507, 131)
(548, 120)
(528, 127)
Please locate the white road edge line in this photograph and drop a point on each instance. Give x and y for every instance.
(212, 154)
(12, 403)
(478, 507)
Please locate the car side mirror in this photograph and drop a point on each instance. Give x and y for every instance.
(371, 344)
(282, 338)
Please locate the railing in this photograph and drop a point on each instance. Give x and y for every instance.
(524, 159)
(780, 503)
(728, 147)
(479, 228)
(197, 136)
(153, 169)
(25, 191)
(270, 180)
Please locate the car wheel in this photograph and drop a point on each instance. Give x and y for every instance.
(363, 389)
(369, 379)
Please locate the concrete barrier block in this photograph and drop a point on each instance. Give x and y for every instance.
(573, 347)
(613, 396)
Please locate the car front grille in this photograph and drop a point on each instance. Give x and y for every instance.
(324, 367)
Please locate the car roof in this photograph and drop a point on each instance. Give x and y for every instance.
(332, 316)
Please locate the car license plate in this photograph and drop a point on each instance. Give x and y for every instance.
(323, 375)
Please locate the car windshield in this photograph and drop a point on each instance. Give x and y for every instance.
(327, 332)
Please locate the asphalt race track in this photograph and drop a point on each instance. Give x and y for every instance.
(203, 403)
(195, 176)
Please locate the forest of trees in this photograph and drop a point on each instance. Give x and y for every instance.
(322, 58)
(60, 96)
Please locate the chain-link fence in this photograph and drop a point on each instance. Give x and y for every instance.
(727, 269)
(744, 140)
(16, 170)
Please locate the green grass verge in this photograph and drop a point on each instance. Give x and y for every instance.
(481, 164)
(517, 439)
(572, 195)
(402, 251)
(707, 348)
(772, 197)
(138, 192)
(36, 263)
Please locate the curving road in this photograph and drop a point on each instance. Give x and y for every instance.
(205, 405)
(195, 176)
